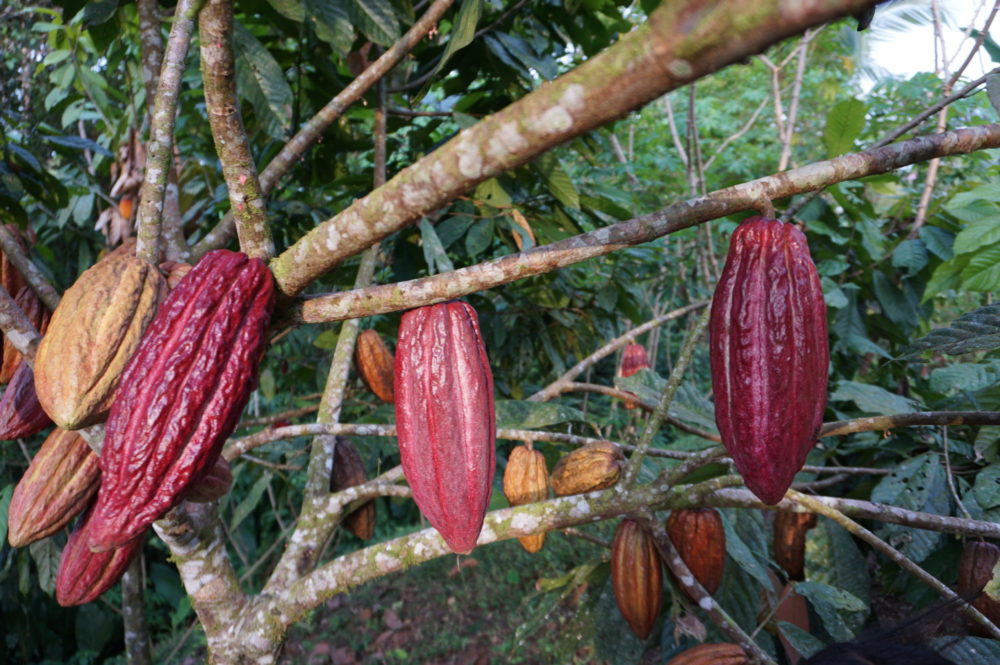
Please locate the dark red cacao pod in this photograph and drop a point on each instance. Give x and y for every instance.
(21, 414)
(84, 575)
(636, 577)
(58, 485)
(769, 354)
(445, 418)
(700, 539)
(374, 362)
(975, 569)
(790, 541)
(348, 471)
(182, 393)
(634, 358)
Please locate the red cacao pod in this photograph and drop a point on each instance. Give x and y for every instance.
(699, 538)
(445, 418)
(975, 569)
(181, 393)
(58, 485)
(636, 577)
(790, 541)
(374, 362)
(84, 575)
(769, 354)
(348, 471)
(592, 467)
(92, 335)
(526, 480)
(212, 485)
(634, 358)
(39, 315)
(20, 412)
(712, 654)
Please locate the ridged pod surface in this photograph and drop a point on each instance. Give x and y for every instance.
(348, 471)
(699, 538)
(594, 466)
(58, 485)
(92, 335)
(769, 354)
(634, 358)
(526, 480)
(39, 316)
(445, 418)
(20, 412)
(975, 569)
(790, 531)
(182, 393)
(636, 577)
(712, 654)
(375, 362)
(84, 575)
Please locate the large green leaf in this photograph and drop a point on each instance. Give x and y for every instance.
(5, 495)
(434, 254)
(332, 22)
(838, 609)
(983, 270)
(463, 31)
(968, 650)
(872, 399)
(969, 377)
(833, 558)
(843, 125)
(522, 414)
(916, 484)
(376, 19)
(250, 501)
(262, 83)
(46, 555)
(978, 330)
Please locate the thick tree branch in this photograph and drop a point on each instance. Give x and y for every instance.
(681, 215)
(32, 275)
(17, 327)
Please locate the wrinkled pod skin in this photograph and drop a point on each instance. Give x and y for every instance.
(700, 540)
(182, 393)
(445, 418)
(592, 467)
(84, 575)
(57, 486)
(634, 358)
(92, 335)
(526, 480)
(769, 354)
(21, 414)
(636, 577)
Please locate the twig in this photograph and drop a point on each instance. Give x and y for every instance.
(17, 328)
(583, 535)
(31, 274)
(137, 645)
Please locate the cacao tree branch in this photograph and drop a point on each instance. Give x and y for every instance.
(159, 150)
(668, 51)
(17, 327)
(137, 646)
(875, 423)
(894, 555)
(681, 215)
(284, 415)
(31, 274)
(311, 132)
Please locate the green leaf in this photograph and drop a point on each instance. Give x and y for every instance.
(745, 541)
(77, 143)
(872, 399)
(946, 277)
(434, 254)
(45, 554)
(983, 270)
(967, 650)
(453, 228)
(290, 9)
(894, 302)
(5, 495)
(462, 33)
(987, 487)
(266, 385)
(559, 183)
(977, 235)
(332, 23)
(910, 255)
(832, 557)
(993, 90)
(843, 125)
(802, 641)
(479, 237)
(55, 57)
(522, 414)
(832, 604)
(376, 19)
(614, 642)
(970, 377)
(250, 501)
(97, 12)
(326, 340)
(833, 295)
(978, 330)
(938, 241)
(262, 83)
(916, 484)
(986, 443)
(492, 193)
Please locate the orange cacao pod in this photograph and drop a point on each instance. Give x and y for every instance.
(634, 358)
(84, 575)
(712, 654)
(769, 354)
(445, 418)
(636, 577)
(700, 539)
(92, 335)
(348, 471)
(594, 466)
(213, 485)
(374, 362)
(38, 314)
(975, 569)
(10, 278)
(181, 393)
(20, 413)
(790, 541)
(526, 480)
(58, 485)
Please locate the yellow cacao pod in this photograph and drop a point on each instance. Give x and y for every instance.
(592, 467)
(526, 480)
(92, 335)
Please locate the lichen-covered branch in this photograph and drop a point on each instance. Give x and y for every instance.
(31, 274)
(877, 423)
(680, 42)
(17, 328)
(161, 134)
(681, 215)
(218, 71)
(312, 130)
(137, 647)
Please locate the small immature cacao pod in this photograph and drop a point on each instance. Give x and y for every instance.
(699, 538)
(769, 354)
(636, 577)
(594, 466)
(445, 418)
(84, 575)
(975, 569)
(634, 358)
(212, 485)
(526, 480)
(374, 362)
(181, 393)
(712, 654)
(348, 471)
(38, 314)
(58, 485)
(93, 334)
(790, 541)
(175, 271)
(21, 414)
